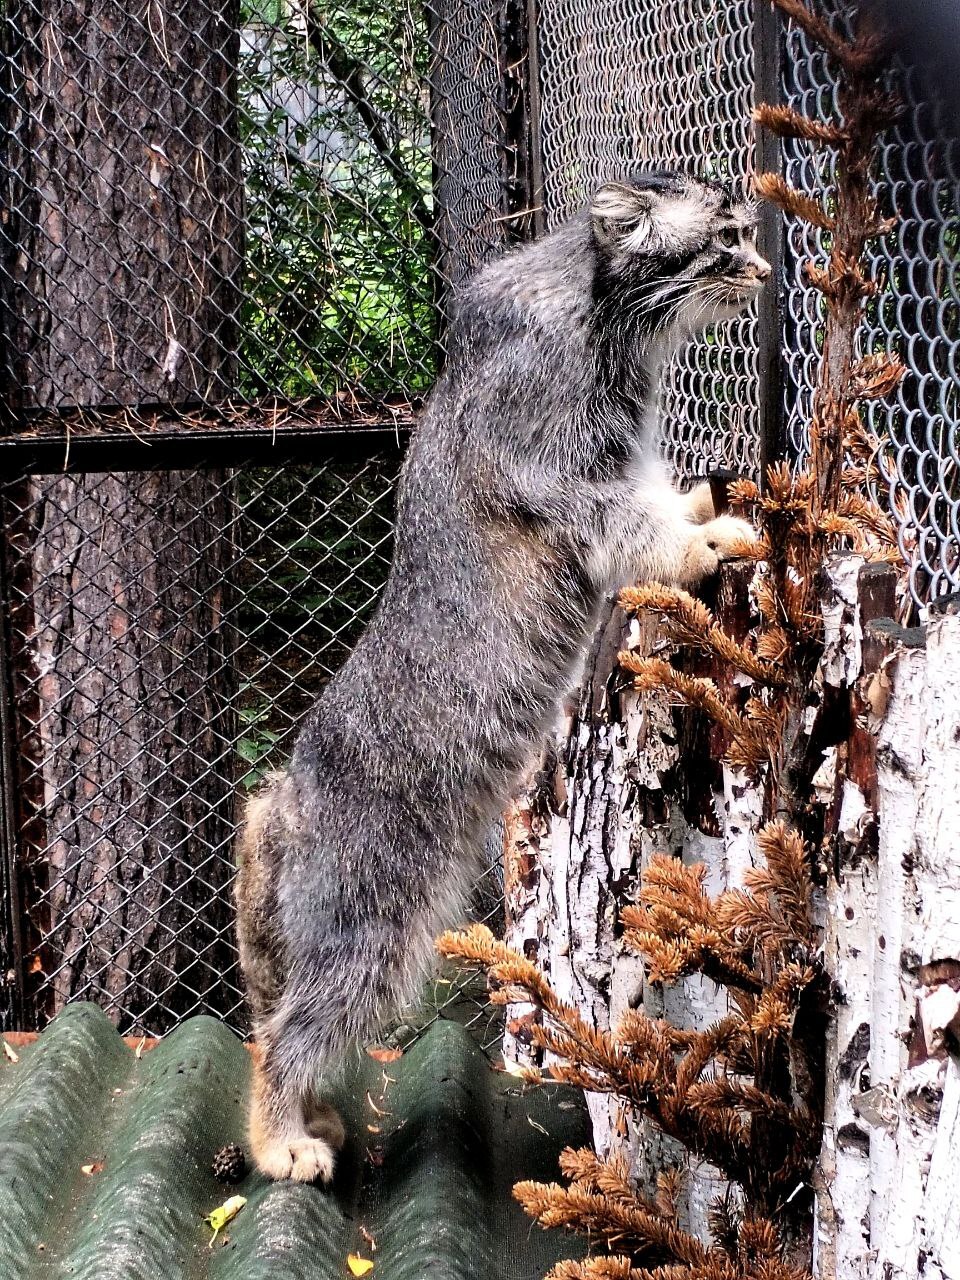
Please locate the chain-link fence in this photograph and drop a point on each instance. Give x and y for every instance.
(168, 630)
(228, 244)
(915, 313)
(667, 85)
(228, 231)
(212, 203)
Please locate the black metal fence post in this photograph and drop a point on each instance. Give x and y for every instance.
(11, 946)
(767, 79)
(523, 188)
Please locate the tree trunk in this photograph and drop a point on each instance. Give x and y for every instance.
(124, 248)
(636, 776)
(134, 770)
(124, 240)
(886, 1190)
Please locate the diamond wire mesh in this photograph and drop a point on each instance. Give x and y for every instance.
(916, 314)
(153, 698)
(244, 201)
(213, 211)
(627, 86)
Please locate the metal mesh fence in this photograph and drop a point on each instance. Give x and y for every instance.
(231, 218)
(915, 314)
(169, 628)
(250, 220)
(246, 202)
(625, 87)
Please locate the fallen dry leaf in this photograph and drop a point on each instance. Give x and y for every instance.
(385, 1055)
(10, 1053)
(359, 1266)
(224, 1213)
(90, 1169)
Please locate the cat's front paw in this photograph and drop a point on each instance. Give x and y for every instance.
(710, 544)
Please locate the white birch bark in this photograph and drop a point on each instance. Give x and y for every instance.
(887, 1204)
(886, 1183)
(892, 1130)
(612, 805)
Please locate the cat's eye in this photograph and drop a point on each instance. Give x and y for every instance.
(728, 236)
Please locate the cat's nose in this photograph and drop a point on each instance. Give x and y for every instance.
(760, 268)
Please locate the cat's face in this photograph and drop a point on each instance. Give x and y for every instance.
(676, 252)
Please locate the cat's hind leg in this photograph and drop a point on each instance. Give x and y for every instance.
(291, 1134)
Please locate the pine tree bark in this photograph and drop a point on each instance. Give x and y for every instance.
(124, 235)
(131, 658)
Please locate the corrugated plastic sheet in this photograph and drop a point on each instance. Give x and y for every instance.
(431, 1188)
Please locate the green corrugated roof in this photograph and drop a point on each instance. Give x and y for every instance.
(432, 1188)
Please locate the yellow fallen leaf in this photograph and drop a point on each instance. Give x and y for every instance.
(90, 1169)
(359, 1266)
(512, 1068)
(224, 1213)
(10, 1053)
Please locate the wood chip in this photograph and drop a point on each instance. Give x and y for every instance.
(385, 1055)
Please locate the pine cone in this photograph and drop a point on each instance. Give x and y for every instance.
(230, 1164)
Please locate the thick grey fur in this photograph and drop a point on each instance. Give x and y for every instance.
(530, 490)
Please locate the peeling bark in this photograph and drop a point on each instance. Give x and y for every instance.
(632, 775)
(639, 776)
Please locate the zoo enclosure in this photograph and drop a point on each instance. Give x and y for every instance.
(230, 239)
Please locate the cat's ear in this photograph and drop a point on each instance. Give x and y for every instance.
(618, 210)
(657, 216)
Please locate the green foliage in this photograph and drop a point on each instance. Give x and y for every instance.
(257, 740)
(338, 294)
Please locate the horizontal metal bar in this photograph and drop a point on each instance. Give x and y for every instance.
(175, 448)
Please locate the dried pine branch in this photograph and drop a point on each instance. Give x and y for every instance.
(691, 622)
(723, 1092)
(770, 186)
(785, 122)
(749, 747)
(643, 1232)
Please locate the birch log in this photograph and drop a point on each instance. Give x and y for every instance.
(630, 775)
(887, 1205)
(635, 775)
